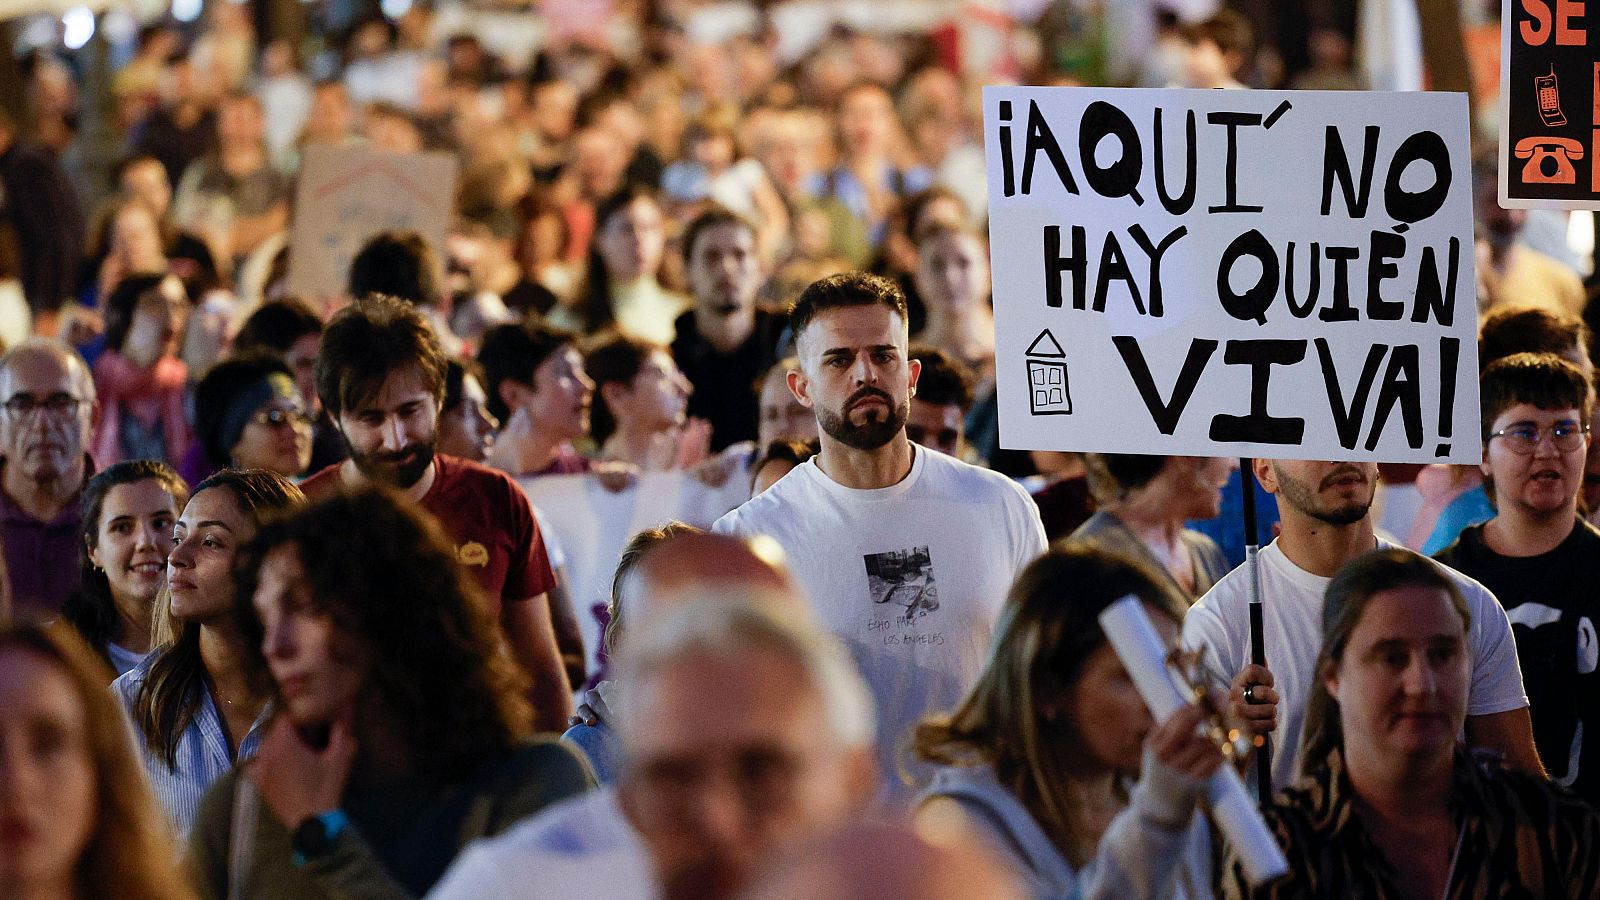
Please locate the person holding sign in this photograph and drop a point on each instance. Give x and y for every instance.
(1326, 510)
(1040, 758)
(1391, 805)
(906, 554)
(1537, 555)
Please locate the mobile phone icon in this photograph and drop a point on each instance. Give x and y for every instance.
(1549, 99)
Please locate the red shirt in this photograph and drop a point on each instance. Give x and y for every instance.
(487, 517)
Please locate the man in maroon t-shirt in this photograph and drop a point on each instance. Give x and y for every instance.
(381, 377)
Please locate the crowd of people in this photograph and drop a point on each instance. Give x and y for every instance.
(290, 608)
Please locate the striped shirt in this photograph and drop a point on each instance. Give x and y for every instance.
(202, 753)
(1521, 836)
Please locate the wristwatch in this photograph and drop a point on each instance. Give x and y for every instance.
(316, 834)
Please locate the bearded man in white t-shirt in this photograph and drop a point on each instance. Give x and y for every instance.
(905, 553)
(1326, 510)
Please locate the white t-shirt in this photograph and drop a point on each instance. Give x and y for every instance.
(1219, 625)
(911, 577)
(579, 849)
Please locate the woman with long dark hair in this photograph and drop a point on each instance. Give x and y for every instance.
(401, 725)
(194, 709)
(79, 820)
(1041, 757)
(621, 286)
(128, 514)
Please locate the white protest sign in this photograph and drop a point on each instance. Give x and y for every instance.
(348, 194)
(1284, 274)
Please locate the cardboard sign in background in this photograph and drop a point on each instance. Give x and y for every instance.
(1549, 106)
(348, 194)
(1277, 274)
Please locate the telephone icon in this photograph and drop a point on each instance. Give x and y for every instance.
(1549, 159)
(1549, 100)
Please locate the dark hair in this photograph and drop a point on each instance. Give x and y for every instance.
(1530, 329)
(1346, 600)
(455, 374)
(1544, 380)
(215, 393)
(615, 360)
(397, 263)
(595, 299)
(173, 685)
(843, 290)
(122, 302)
(514, 353)
(439, 667)
(90, 607)
(1047, 630)
(945, 380)
(276, 325)
(709, 218)
(368, 340)
(782, 450)
(1113, 475)
(1229, 30)
(632, 554)
(908, 218)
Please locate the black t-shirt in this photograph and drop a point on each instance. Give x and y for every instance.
(1553, 600)
(725, 385)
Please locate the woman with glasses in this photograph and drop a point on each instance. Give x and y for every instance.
(1538, 556)
(250, 416)
(401, 728)
(140, 379)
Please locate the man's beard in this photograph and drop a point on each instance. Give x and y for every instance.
(875, 431)
(1307, 500)
(401, 469)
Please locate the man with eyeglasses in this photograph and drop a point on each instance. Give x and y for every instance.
(1325, 511)
(47, 406)
(1539, 557)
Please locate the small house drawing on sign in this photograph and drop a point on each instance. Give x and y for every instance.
(1047, 377)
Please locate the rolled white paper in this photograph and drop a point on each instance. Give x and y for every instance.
(1139, 646)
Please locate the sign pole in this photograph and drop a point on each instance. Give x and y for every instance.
(1258, 650)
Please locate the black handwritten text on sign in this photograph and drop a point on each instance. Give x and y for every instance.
(1233, 273)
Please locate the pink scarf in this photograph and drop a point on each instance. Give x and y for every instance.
(149, 395)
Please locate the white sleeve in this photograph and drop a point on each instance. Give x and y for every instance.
(1028, 527)
(1205, 632)
(1496, 675)
(1141, 854)
(727, 524)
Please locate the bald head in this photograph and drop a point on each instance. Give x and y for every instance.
(866, 861)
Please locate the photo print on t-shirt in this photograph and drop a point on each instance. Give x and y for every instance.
(902, 582)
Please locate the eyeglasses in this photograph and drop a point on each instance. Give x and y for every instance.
(278, 417)
(1524, 439)
(22, 405)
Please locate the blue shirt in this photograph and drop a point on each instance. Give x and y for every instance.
(202, 752)
(1471, 508)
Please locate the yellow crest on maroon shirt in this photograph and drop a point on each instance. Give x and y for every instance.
(472, 553)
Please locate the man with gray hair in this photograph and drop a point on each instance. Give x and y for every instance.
(47, 406)
(744, 730)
